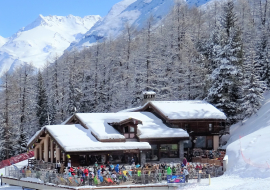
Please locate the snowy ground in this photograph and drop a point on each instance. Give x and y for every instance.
(230, 182)
(2, 171)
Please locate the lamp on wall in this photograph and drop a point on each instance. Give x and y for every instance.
(210, 126)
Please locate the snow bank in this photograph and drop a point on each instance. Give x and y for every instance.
(252, 159)
(30, 179)
(228, 183)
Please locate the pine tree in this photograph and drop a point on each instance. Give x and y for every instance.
(226, 90)
(262, 60)
(8, 131)
(42, 102)
(253, 88)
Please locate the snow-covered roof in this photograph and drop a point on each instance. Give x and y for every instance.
(74, 138)
(149, 93)
(151, 127)
(190, 109)
(98, 124)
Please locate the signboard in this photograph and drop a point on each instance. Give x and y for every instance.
(175, 178)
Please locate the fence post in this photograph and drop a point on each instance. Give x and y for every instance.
(199, 177)
(209, 179)
(1, 179)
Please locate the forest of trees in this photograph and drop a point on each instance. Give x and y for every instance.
(220, 54)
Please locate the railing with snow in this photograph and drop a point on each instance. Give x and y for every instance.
(142, 177)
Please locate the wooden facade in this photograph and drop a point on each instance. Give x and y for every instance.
(203, 133)
(209, 129)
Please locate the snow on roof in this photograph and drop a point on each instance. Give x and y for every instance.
(77, 138)
(191, 109)
(149, 93)
(74, 138)
(98, 124)
(131, 109)
(151, 127)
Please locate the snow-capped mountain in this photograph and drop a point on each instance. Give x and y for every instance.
(197, 2)
(133, 12)
(42, 40)
(2, 41)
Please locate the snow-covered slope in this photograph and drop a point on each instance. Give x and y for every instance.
(133, 12)
(197, 2)
(249, 155)
(43, 39)
(2, 41)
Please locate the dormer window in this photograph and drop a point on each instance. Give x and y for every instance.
(129, 132)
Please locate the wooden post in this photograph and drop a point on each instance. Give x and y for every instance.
(216, 142)
(52, 150)
(64, 157)
(36, 152)
(181, 150)
(40, 152)
(57, 153)
(46, 149)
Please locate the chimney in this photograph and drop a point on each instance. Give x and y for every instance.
(148, 96)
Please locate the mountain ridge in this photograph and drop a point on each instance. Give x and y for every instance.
(133, 12)
(43, 39)
(49, 36)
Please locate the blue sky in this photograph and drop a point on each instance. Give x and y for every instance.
(15, 14)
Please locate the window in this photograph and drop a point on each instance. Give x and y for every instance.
(200, 142)
(209, 143)
(188, 144)
(129, 132)
(210, 127)
(126, 130)
(169, 151)
(153, 153)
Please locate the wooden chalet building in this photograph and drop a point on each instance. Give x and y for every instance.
(204, 123)
(155, 131)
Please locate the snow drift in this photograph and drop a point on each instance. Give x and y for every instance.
(248, 146)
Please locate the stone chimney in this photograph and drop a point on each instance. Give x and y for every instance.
(148, 96)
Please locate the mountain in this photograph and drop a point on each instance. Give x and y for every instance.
(2, 41)
(42, 40)
(197, 3)
(133, 12)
